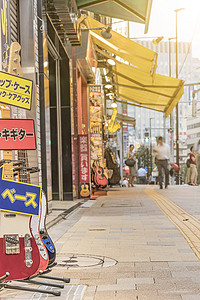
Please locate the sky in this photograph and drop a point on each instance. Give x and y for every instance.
(163, 22)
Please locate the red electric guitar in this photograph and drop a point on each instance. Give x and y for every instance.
(19, 253)
(99, 176)
(24, 176)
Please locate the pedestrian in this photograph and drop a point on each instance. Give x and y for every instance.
(162, 154)
(152, 179)
(142, 175)
(132, 170)
(193, 167)
(187, 176)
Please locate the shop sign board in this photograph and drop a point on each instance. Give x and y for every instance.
(17, 134)
(84, 167)
(19, 197)
(15, 90)
(74, 179)
(95, 100)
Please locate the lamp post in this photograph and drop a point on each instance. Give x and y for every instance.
(151, 146)
(177, 115)
(172, 113)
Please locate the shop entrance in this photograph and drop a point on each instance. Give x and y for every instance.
(56, 130)
(60, 117)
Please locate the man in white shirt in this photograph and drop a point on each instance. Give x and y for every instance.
(162, 154)
(142, 174)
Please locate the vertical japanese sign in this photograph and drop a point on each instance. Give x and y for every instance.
(96, 140)
(84, 167)
(74, 179)
(5, 32)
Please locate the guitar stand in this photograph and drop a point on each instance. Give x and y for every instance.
(31, 281)
(29, 289)
(64, 279)
(43, 274)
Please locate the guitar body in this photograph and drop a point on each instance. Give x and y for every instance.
(100, 178)
(19, 254)
(48, 243)
(35, 230)
(84, 192)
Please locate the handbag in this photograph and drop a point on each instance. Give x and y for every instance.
(130, 162)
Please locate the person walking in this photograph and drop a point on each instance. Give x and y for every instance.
(193, 168)
(142, 175)
(162, 154)
(132, 170)
(187, 176)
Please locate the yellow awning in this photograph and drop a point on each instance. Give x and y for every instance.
(132, 52)
(161, 94)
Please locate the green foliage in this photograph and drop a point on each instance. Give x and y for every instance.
(144, 157)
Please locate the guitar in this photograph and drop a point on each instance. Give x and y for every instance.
(85, 192)
(99, 176)
(74, 190)
(51, 250)
(38, 229)
(19, 254)
(113, 125)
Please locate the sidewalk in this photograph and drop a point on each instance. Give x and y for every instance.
(153, 259)
(123, 246)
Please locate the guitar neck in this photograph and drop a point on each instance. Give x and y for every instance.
(13, 67)
(23, 175)
(7, 154)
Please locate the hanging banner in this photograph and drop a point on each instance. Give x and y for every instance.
(84, 167)
(19, 197)
(16, 91)
(96, 135)
(17, 134)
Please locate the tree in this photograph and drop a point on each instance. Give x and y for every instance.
(144, 158)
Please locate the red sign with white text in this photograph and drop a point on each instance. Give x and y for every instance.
(84, 164)
(17, 134)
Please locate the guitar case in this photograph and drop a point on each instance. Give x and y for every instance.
(111, 164)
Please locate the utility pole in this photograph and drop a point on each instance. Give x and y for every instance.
(177, 112)
(172, 113)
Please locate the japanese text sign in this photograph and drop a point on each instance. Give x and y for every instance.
(19, 197)
(17, 134)
(84, 163)
(16, 91)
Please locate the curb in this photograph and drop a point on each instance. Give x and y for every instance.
(62, 215)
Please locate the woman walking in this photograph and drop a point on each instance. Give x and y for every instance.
(132, 170)
(193, 168)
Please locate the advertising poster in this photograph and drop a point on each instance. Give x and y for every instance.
(96, 141)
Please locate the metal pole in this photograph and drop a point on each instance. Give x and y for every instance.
(177, 115)
(164, 128)
(172, 113)
(150, 146)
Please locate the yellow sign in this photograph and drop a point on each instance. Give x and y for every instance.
(16, 91)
